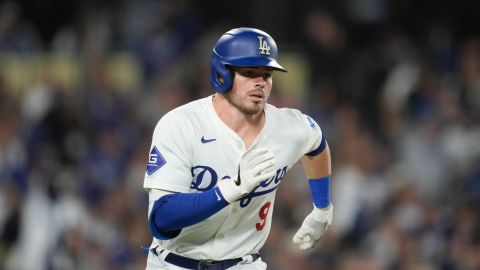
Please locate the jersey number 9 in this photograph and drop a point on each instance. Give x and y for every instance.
(263, 214)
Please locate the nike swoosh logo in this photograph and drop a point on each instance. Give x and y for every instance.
(238, 181)
(218, 196)
(207, 140)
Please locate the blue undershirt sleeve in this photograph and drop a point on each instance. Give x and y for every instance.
(173, 212)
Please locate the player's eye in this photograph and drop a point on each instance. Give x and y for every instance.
(248, 73)
(267, 75)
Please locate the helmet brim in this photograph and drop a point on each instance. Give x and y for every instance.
(255, 62)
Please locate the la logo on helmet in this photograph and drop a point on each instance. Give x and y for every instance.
(263, 46)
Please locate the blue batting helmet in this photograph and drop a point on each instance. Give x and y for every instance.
(241, 47)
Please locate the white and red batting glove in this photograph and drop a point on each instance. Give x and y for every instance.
(313, 227)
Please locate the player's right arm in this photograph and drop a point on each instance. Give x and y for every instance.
(170, 212)
(168, 179)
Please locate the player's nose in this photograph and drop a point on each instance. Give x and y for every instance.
(260, 81)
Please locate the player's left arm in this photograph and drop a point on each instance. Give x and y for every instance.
(317, 167)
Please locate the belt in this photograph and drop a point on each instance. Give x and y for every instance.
(188, 263)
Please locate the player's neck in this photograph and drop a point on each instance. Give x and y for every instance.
(245, 125)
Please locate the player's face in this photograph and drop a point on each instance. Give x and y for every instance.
(251, 89)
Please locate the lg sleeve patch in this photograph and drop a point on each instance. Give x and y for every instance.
(155, 161)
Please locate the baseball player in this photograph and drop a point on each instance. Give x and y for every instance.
(215, 165)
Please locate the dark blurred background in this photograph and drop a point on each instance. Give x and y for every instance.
(395, 84)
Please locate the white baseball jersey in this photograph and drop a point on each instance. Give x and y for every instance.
(192, 149)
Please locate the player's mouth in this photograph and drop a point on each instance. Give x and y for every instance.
(257, 96)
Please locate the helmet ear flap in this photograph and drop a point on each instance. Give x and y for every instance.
(221, 77)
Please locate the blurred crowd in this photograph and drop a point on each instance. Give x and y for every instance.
(398, 99)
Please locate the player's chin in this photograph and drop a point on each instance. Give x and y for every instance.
(254, 108)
